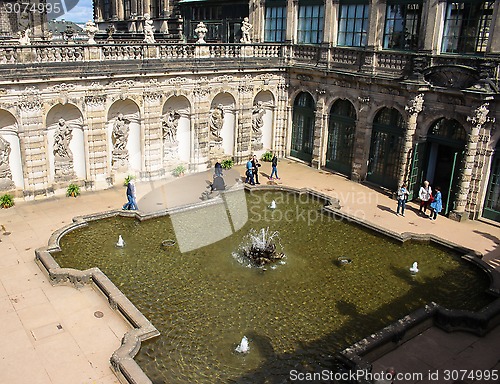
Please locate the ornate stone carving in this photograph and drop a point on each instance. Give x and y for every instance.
(170, 121)
(201, 30)
(25, 37)
(415, 105)
(62, 87)
(152, 95)
(5, 173)
(246, 27)
(201, 92)
(481, 116)
(120, 139)
(216, 121)
(63, 158)
(177, 80)
(96, 100)
(30, 100)
(91, 30)
(223, 79)
(123, 83)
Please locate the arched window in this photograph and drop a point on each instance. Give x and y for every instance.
(341, 130)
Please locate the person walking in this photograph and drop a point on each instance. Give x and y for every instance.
(218, 168)
(402, 197)
(425, 196)
(437, 205)
(274, 164)
(131, 203)
(255, 167)
(249, 172)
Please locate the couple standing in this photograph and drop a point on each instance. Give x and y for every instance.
(428, 200)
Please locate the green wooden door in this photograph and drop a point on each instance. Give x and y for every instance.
(303, 127)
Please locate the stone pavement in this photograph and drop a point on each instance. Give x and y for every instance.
(63, 335)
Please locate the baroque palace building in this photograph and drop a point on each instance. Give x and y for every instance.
(383, 92)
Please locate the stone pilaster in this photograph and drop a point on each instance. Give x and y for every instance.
(97, 142)
(281, 119)
(479, 118)
(319, 132)
(244, 123)
(413, 108)
(201, 144)
(361, 141)
(152, 143)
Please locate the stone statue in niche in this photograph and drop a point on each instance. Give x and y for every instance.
(216, 122)
(258, 113)
(120, 137)
(63, 158)
(149, 36)
(170, 123)
(5, 173)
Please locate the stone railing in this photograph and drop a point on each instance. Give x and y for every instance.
(395, 64)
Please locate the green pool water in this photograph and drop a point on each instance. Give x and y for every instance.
(296, 316)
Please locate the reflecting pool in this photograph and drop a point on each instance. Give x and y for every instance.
(296, 315)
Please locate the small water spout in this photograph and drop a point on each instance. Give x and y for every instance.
(120, 243)
(414, 268)
(273, 205)
(243, 347)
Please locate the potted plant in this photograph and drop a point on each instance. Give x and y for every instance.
(73, 190)
(227, 164)
(7, 201)
(268, 156)
(179, 170)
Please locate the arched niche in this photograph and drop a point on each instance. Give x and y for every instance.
(227, 133)
(263, 108)
(176, 117)
(71, 117)
(8, 132)
(126, 112)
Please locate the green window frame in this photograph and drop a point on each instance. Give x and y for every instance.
(353, 24)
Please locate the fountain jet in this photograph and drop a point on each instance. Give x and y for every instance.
(120, 243)
(243, 347)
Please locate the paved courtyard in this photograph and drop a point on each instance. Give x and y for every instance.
(63, 335)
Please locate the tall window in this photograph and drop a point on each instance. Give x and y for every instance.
(127, 6)
(106, 10)
(353, 24)
(402, 24)
(275, 27)
(467, 26)
(310, 27)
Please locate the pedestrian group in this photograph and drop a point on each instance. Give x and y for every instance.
(428, 200)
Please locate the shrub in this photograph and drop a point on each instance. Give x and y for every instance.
(73, 190)
(179, 170)
(227, 164)
(268, 156)
(127, 180)
(7, 201)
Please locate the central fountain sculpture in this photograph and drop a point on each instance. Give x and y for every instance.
(262, 248)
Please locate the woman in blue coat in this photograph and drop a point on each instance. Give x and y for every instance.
(437, 204)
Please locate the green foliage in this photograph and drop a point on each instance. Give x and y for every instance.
(6, 201)
(127, 180)
(179, 170)
(227, 164)
(73, 190)
(268, 156)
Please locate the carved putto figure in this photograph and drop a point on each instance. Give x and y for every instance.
(5, 172)
(416, 104)
(62, 138)
(216, 122)
(481, 116)
(258, 113)
(246, 27)
(24, 38)
(201, 30)
(170, 121)
(91, 30)
(149, 36)
(120, 133)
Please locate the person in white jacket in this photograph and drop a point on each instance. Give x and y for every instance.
(425, 196)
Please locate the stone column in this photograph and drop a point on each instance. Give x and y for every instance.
(361, 144)
(375, 31)
(152, 143)
(98, 170)
(201, 144)
(257, 19)
(292, 10)
(433, 16)
(319, 131)
(331, 29)
(413, 108)
(479, 118)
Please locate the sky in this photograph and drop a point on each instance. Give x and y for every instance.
(81, 13)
